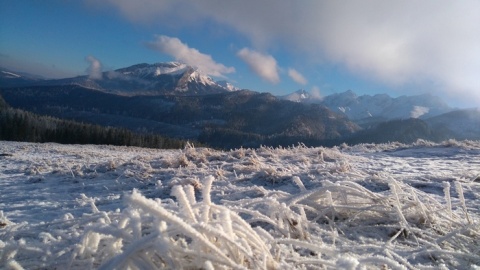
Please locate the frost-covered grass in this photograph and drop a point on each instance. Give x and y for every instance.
(388, 206)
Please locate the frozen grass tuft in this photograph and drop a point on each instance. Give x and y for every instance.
(336, 225)
(149, 234)
(345, 218)
(389, 206)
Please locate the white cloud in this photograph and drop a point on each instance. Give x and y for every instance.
(263, 65)
(396, 43)
(183, 53)
(296, 76)
(94, 69)
(418, 111)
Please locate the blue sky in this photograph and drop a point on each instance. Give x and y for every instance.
(278, 46)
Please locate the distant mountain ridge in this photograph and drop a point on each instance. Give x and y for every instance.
(9, 78)
(170, 78)
(373, 109)
(461, 124)
(405, 118)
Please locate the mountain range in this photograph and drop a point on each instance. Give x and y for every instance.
(171, 78)
(366, 109)
(177, 100)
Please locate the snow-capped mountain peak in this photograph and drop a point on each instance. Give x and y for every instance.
(196, 76)
(154, 70)
(167, 69)
(228, 86)
(169, 78)
(298, 96)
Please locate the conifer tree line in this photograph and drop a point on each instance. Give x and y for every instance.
(19, 125)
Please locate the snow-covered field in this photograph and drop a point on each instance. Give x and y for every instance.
(361, 207)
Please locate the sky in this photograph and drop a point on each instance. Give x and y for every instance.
(279, 46)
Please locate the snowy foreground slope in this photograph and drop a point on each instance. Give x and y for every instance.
(362, 207)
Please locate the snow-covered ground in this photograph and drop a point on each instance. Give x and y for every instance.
(361, 207)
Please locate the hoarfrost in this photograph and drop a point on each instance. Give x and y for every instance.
(351, 207)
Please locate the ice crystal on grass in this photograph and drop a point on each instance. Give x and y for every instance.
(388, 206)
(336, 225)
(149, 234)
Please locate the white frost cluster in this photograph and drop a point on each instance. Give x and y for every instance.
(363, 207)
(152, 235)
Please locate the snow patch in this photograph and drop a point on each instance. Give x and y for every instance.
(349, 207)
(10, 74)
(228, 86)
(202, 79)
(145, 70)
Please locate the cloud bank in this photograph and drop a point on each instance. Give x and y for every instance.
(94, 69)
(263, 65)
(395, 43)
(190, 56)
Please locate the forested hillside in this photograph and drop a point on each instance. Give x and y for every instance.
(227, 120)
(20, 125)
